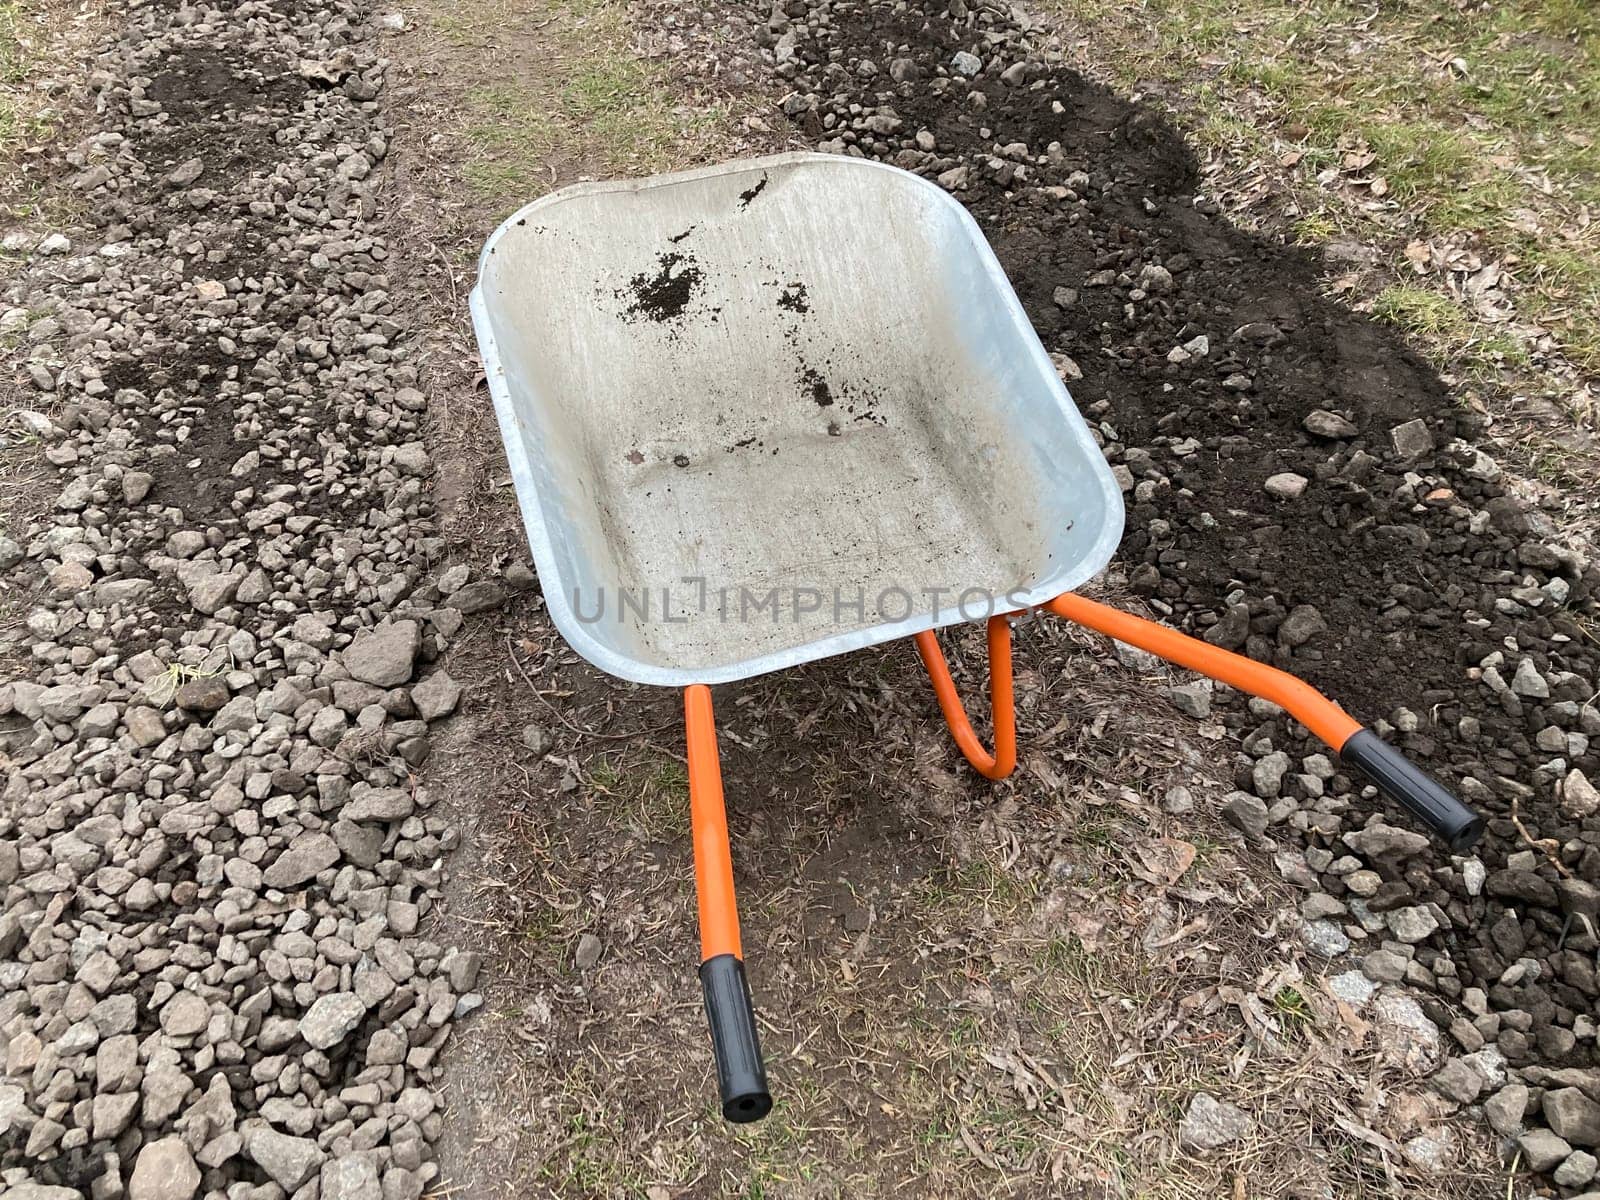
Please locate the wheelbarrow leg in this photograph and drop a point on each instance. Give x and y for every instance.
(1002, 708)
(1422, 795)
(741, 1076)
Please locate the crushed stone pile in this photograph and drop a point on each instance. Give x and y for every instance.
(218, 860)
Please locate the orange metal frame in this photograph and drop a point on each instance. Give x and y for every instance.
(741, 1074)
(713, 864)
(1302, 701)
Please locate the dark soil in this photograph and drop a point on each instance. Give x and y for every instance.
(817, 386)
(219, 108)
(664, 295)
(1402, 569)
(751, 192)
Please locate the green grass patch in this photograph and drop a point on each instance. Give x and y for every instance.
(1292, 1009)
(1466, 110)
(648, 793)
(19, 125)
(586, 99)
(1423, 312)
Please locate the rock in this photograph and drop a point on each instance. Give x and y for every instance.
(1324, 938)
(1433, 1150)
(538, 739)
(184, 1015)
(587, 955)
(463, 970)
(378, 804)
(966, 63)
(1413, 924)
(1577, 1170)
(186, 172)
(1383, 841)
(288, 1160)
(332, 1019)
(1155, 278)
(313, 632)
(1267, 774)
(1542, 1149)
(1211, 1123)
(1325, 424)
(478, 597)
(1192, 699)
(1579, 798)
(1505, 1108)
(1246, 813)
(112, 1113)
(208, 593)
(307, 856)
(1232, 631)
(1411, 440)
(205, 694)
(100, 721)
(1528, 682)
(1178, 800)
(1134, 658)
(164, 1170)
(1302, 624)
(116, 1062)
(1576, 896)
(1286, 485)
(136, 486)
(1406, 1038)
(384, 656)
(1458, 1080)
(62, 703)
(351, 1177)
(436, 696)
(1573, 1116)
(1521, 885)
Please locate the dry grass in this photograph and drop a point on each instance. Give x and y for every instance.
(1457, 138)
(554, 89)
(40, 43)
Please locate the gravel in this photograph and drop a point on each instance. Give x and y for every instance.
(220, 869)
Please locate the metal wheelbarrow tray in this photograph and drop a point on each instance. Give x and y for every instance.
(774, 410)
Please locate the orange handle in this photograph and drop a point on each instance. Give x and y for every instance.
(1302, 701)
(1001, 706)
(713, 862)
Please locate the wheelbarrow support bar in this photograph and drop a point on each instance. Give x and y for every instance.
(1419, 793)
(1423, 796)
(741, 1076)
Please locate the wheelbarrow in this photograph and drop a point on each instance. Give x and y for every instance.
(779, 409)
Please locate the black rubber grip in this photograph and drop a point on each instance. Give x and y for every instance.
(741, 1077)
(1423, 796)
